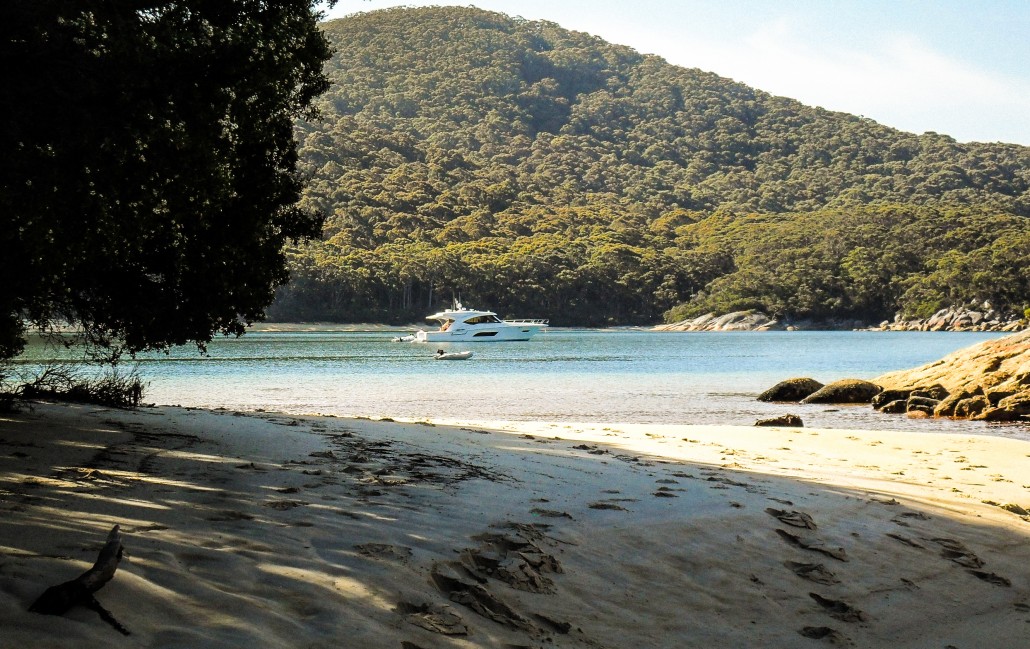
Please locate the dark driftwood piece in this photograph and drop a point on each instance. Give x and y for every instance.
(58, 600)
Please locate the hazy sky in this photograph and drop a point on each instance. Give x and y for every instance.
(960, 67)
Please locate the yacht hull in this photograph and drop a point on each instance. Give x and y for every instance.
(470, 334)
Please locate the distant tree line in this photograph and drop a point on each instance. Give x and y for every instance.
(543, 172)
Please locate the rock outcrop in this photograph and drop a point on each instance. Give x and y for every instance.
(736, 321)
(989, 365)
(989, 381)
(844, 391)
(786, 421)
(958, 319)
(791, 390)
(944, 320)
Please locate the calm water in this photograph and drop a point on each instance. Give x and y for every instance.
(567, 374)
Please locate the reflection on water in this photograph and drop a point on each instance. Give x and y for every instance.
(562, 374)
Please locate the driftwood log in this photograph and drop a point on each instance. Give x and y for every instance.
(58, 600)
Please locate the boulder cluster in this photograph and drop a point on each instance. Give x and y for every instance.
(987, 382)
(1009, 402)
(985, 319)
(959, 319)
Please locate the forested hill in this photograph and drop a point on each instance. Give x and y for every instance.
(547, 173)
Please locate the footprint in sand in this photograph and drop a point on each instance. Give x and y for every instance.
(890, 503)
(438, 618)
(283, 505)
(153, 527)
(826, 633)
(838, 609)
(990, 578)
(226, 516)
(384, 551)
(815, 546)
(956, 551)
(480, 601)
(795, 518)
(907, 541)
(562, 628)
(550, 513)
(604, 505)
(513, 559)
(1018, 510)
(897, 520)
(816, 572)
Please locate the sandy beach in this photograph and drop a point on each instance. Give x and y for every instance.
(265, 530)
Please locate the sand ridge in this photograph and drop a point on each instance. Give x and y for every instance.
(275, 530)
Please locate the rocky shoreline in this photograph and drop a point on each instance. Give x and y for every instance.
(985, 382)
(958, 319)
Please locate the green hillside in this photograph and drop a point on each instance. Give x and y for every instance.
(547, 173)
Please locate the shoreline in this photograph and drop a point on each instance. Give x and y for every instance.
(908, 327)
(284, 530)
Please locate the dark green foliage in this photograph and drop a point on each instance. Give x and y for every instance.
(543, 172)
(147, 164)
(866, 263)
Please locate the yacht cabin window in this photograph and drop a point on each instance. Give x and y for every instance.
(483, 319)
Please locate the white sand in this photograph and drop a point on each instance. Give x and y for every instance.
(277, 531)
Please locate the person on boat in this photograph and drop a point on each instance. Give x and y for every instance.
(439, 352)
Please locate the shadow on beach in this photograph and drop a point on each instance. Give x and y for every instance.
(273, 530)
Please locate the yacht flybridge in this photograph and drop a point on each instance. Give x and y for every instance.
(469, 325)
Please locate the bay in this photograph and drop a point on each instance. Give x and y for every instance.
(571, 375)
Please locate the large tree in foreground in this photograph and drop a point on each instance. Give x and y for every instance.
(147, 164)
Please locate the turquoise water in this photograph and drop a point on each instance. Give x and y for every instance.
(562, 374)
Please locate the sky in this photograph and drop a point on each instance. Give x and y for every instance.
(957, 67)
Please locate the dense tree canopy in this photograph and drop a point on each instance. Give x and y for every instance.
(545, 172)
(147, 164)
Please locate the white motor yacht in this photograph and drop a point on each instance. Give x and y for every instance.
(469, 325)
